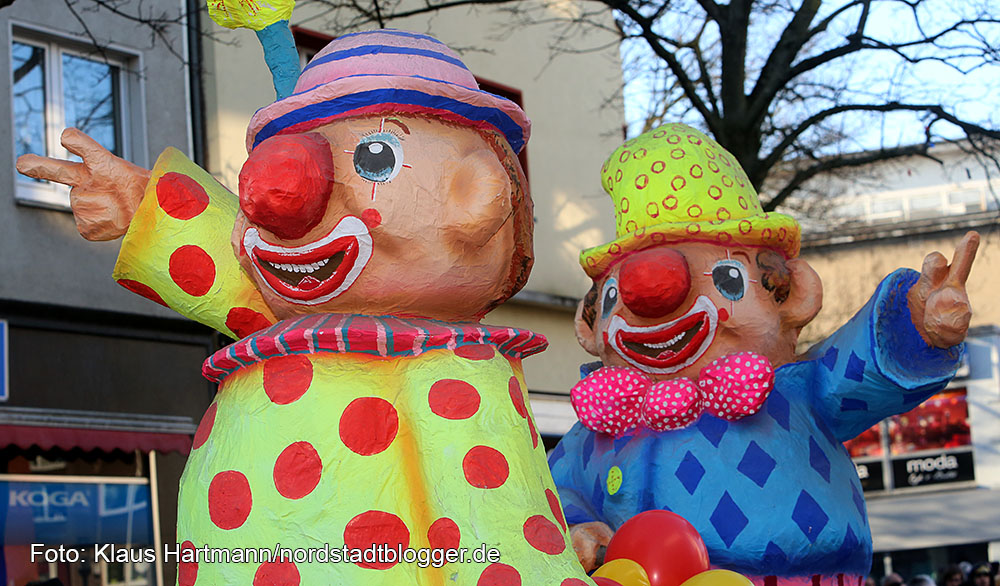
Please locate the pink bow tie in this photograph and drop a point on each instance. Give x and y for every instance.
(615, 399)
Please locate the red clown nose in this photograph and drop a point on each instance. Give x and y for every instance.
(654, 282)
(286, 183)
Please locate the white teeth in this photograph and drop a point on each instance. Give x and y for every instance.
(304, 268)
(668, 343)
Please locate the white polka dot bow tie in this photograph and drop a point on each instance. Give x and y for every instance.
(615, 399)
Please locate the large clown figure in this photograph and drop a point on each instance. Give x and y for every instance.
(381, 213)
(700, 405)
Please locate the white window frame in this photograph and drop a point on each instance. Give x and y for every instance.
(128, 105)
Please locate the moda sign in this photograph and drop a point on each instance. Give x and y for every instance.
(927, 469)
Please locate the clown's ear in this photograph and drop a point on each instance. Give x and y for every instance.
(585, 333)
(805, 296)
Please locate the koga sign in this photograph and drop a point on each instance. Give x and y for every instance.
(932, 469)
(43, 498)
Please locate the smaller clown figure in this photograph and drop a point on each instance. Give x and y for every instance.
(701, 406)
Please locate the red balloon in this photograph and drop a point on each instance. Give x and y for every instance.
(664, 544)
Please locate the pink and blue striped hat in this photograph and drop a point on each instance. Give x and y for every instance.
(388, 70)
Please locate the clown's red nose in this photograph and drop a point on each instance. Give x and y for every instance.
(654, 282)
(286, 183)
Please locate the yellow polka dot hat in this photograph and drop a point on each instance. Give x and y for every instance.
(675, 184)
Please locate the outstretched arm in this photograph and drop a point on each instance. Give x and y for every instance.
(900, 349)
(106, 190)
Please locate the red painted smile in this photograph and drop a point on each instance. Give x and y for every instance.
(665, 348)
(315, 272)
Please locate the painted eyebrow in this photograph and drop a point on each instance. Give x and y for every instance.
(747, 256)
(399, 124)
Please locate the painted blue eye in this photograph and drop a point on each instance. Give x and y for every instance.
(730, 278)
(378, 157)
(609, 297)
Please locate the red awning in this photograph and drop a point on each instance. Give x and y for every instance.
(67, 438)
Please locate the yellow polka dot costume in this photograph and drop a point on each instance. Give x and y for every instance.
(675, 184)
(344, 431)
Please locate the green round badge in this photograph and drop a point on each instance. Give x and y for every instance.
(614, 479)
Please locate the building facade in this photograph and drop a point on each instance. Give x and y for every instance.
(101, 389)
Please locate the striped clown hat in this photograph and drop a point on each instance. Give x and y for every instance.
(675, 184)
(385, 70)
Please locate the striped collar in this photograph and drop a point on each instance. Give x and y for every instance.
(383, 336)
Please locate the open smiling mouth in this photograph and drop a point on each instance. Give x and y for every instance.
(665, 348)
(316, 272)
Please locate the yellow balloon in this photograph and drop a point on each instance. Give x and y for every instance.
(625, 572)
(718, 578)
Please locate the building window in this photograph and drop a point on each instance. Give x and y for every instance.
(55, 86)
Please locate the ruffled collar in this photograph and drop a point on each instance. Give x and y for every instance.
(383, 336)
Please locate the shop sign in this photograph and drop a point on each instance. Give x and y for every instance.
(934, 468)
(871, 476)
(73, 513)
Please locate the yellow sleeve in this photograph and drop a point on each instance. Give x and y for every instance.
(177, 251)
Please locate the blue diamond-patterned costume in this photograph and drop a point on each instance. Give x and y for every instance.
(774, 495)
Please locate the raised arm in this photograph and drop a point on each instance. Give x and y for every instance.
(106, 190)
(899, 349)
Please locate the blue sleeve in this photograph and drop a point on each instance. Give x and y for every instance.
(877, 365)
(567, 462)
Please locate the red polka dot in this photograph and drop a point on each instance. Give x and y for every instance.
(543, 535)
(658, 167)
(205, 427)
(286, 378)
(229, 499)
(142, 289)
(485, 467)
(554, 506)
(476, 352)
(573, 582)
(371, 218)
(244, 321)
(444, 534)
(641, 181)
(678, 183)
(187, 571)
(180, 196)
(694, 210)
(277, 573)
(368, 425)
(374, 528)
(192, 269)
(534, 433)
(297, 470)
(453, 399)
(499, 575)
(517, 397)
